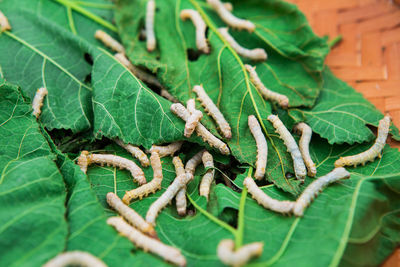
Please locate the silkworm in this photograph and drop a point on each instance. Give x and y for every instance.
(229, 18)
(200, 25)
(281, 206)
(304, 145)
(146, 243)
(149, 26)
(168, 150)
(227, 254)
(130, 215)
(228, 6)
(282, 100)
(253, 54)
(83, 161)
(164, 93)
(192, 163)
(37, 102)
(180, 197)
(79, 258)
(313, 189)
(122, 163)
(135, 151)
(262, 147)
(299, 167)
(372, 152)
(208, 177)
(108, 41)
(194, 118)
(213, 110)
(140, 74)
(179, 110)
(150, 187)
(179, 182)
(4, 24)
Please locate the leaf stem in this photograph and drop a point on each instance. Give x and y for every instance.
(90, 15)
(71, 20)
(242, 204)
(211, 217)
(95, 5)
(335, 41)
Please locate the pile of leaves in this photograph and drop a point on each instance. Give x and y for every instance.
(47, 205)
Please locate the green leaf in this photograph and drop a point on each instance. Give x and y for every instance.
(341, 114)
(360, 210)
(38, 53)
(32, 192)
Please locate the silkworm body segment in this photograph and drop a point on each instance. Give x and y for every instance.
(168, 150)
(181, 195)
(4, 24)
(194, 118)
(373, 152)
(37, 102)
(135, 151)
(108, 41)
(304, 144)
(150, 36)
(241, 256)
(208, 177)
(262, 147)
(201, 41)
(80, 258)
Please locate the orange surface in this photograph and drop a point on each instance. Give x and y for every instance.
(368, 57)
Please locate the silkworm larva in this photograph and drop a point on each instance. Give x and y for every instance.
(228, 6)
(140, 74)
(201, 41)
(150, 187)
(123, 163)
(130, 215)
(281, 206)
(168, 150)
(229, 18)
(299, 167)
(192, 163)
(208, 177)
(4, 24)
(262, 147)
(180, 197)
(140, 240)
(83, 160)
(371, 153)
(179, 182)
(179, 110)
(227, 254)
(135, 151)
(108, 41)
(213, 110)
(164, 93)
(253, 54)
(79, 258)
(194, 118)
(37, 102)
(282, 100)
(149, 26)
(304, 145)
(313, 189)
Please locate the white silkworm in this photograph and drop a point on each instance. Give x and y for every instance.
(213, 110)
(123, 163)
(108, 41)
(150, 187)
(299, 167)
(194, 118)
(37, 102)
(179, 182)
(253, 54)
(135, 151)
(282, 100)
(208, 177)
(83, 161)
(192, 163)
(180, 197)
(313, 189)
(228, 6)
(262, 147)
(4, 24)
(149, 26)
(372, 152)
(201, 41)
(229, 18)
(164, 93)
(281, 206)
(304, 145)
(179, 110)
(140, 240)
(227, 254)
(79, 258)
(168, 150)
(140, 74)
(130, 215)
